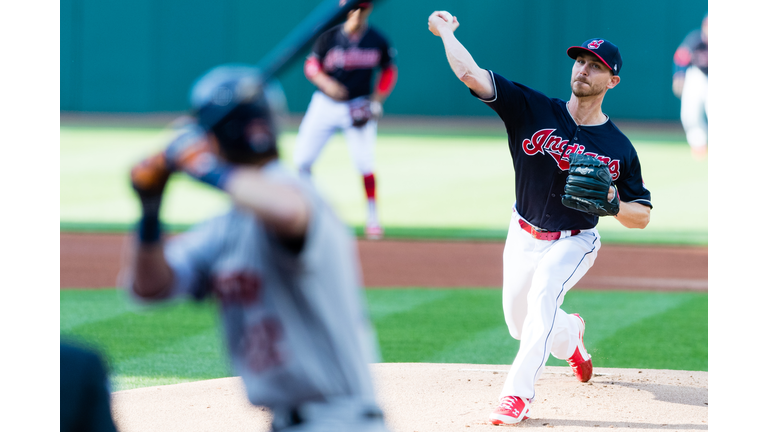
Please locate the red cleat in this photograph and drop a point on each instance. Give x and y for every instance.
(581, 361)
(511, 410)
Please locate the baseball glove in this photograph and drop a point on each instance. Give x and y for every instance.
(587, 186)
(360, 110)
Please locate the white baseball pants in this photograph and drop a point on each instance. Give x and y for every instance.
(537, 274)
(323, 118)
(694, 106)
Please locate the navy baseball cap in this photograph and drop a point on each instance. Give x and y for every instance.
(361, 5)
(607, 52)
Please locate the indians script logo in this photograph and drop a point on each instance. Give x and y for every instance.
(544, 141)
(595, 44)
(352, 58)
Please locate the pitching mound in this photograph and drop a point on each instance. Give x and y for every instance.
(419, 397)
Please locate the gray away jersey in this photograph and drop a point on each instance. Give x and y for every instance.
(296, 326)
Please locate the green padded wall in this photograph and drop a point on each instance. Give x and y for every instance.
(143, 55)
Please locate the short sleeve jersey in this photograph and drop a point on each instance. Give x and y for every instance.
(542, 133)
(295, 323)
(352, 61)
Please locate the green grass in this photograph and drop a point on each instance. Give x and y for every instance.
(182, 342)
(145, 345)
(625, 329)
(428, 186)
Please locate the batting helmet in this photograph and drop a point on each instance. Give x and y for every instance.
(233, 103)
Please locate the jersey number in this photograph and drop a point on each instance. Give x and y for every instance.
(261, 345)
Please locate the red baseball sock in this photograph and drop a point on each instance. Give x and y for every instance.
(369, 181)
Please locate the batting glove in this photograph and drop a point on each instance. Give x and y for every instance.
(148, 179)
(191, 152)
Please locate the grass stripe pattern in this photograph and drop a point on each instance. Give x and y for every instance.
(182, 342)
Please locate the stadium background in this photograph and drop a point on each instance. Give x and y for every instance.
(142, 56)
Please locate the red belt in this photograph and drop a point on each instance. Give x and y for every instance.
(541, 234)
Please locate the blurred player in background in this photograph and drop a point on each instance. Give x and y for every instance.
(341, 65)
(690, 84)
(282, 266)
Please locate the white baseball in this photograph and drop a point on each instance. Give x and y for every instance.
(445, 15)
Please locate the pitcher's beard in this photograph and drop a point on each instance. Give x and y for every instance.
(584, 91)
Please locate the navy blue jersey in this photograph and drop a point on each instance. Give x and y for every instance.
(352, 61)
(542, 133)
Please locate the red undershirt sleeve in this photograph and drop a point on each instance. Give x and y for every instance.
(387, 80)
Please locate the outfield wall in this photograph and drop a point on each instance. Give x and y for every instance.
(142, 56)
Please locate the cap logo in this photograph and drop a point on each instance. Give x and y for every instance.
(222, 97)
(595, 44)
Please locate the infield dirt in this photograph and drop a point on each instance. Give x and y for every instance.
(93, 260)
(420, 397)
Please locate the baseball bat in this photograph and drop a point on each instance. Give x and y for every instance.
(324, 16)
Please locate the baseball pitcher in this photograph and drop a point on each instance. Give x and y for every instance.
(572, 166)
(281, 265)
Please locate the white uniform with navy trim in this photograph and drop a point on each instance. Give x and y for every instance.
(537, 275)
(296, 327)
